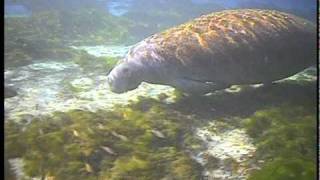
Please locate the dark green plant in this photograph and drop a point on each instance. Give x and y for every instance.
(289, 168)
(286, 140)
(89, 62)
(126, 143)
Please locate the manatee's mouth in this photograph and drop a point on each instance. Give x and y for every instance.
(117, 90)
(114, 87)
(120, 90)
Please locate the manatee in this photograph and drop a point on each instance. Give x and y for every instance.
(215, 51)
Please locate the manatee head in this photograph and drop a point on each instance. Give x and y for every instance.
(125, 76)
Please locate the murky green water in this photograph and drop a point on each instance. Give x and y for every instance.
(65, 123)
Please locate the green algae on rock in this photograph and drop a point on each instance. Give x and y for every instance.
(89, 62)
(81, 144)
(48, 34)
(286, 141)
(98, 143)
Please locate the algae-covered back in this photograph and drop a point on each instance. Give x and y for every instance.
(242, 27)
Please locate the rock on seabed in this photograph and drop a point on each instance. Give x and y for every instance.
(232, 147)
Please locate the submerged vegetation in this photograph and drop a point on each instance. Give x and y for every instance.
(130, 142)
(48, 35)
(286, 141)
(150, 139)
(89, 62)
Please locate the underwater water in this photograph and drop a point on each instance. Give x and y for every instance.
(64, 121)
(16, 10)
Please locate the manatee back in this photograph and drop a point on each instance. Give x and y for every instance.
(235, 46)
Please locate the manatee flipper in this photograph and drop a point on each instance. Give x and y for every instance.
(191, 86)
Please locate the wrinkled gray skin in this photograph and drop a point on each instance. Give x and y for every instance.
(273, 57)
(134, 69)
(129, 74)
(125, 77)
(137, 68)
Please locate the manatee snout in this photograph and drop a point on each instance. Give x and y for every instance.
(123, 78)
(110, 82)
(114, 84)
